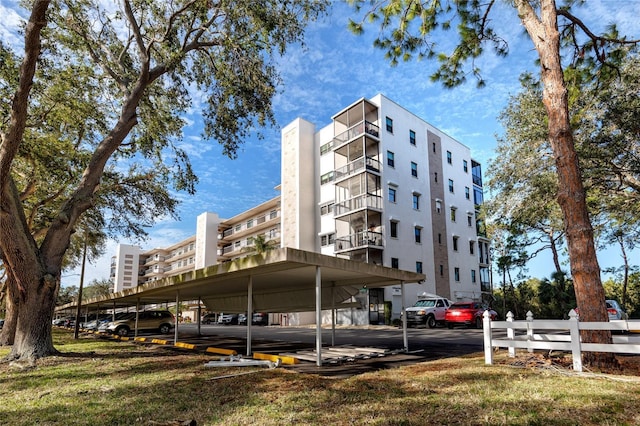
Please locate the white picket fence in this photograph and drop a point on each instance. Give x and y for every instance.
(525, 335)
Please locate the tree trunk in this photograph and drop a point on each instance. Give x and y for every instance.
(571, 194)
(11, 314)
(33, 338)
(625, 280)
(554, 251)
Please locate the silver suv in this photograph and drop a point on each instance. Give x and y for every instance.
(162, 321)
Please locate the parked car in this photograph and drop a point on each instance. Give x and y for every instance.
(260, 318)
(242, 319)
(228, 319)
(429, 311)
(467, 313)
(96, 323)
(209, 319)
(615, 311)
(118, 316)
(163, 321)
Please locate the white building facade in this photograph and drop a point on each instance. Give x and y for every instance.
(379, 185)
(393, 190)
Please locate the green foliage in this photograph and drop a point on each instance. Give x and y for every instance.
(522, 176)
(97, 288)
(408, 30)
(67, 294)
(543, 298)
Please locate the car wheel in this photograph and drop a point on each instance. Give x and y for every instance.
(122, 331)
(449, 325)
(478, 322)
(431, 321)
(165, 329)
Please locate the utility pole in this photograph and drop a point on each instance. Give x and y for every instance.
(84, 260)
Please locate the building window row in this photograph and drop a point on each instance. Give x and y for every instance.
(327, 239)
(465, 163)
(326, 209)
(326, 178)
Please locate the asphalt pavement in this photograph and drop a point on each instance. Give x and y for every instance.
(424, 344)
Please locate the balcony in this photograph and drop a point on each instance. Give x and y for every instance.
(355, 131)
(358, 240)
(361, 164)
(357, 203)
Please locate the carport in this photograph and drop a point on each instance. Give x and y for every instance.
(281, 280)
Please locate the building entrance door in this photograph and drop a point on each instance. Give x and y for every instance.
(376, 306)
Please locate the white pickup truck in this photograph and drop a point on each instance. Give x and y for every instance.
(428, 311)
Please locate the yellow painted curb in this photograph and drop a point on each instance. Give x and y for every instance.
(140, 339)
(222, 351)
(185, 345)
(289, 360)
(159, 341)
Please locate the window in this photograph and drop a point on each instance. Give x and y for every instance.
(473, 275)
(250, 223)
(451, 185)
(393, 229)
(416, 201)
(326, 209)
(389, 123)
(470, 220)
(455, 243)
(392, 195)
(456, 274)
(419, 267)
(391, 159)
(414, 169)
(417, 231)
(438, 206)
(326, 178)
(453, 214)
(465, 166)
(472, 246)
(467, 193)
(434, 147)
(394, 263)
(441, 270)
(412, 137)
(439, 238)
(326, 148)
(327, 240)
(449, 158)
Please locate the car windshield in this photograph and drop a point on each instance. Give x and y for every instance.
(427, 303)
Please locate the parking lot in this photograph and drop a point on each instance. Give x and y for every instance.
(385, 344)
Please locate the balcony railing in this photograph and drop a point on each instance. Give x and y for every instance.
(359, 202)
(358, 240)
(357, 166)
(355, 131)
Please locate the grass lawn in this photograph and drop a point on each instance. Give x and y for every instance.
(103, 382)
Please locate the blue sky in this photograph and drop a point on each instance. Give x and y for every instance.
(333, 69)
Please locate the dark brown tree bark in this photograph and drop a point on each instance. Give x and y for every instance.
(11, 314)
(585, 270)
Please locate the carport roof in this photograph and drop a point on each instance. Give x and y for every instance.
(274, 275)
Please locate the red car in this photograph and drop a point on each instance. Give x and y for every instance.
(467, 313)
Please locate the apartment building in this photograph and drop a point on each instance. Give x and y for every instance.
(379, 185)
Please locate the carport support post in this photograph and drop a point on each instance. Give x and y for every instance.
(333, 314)
(318, 316)
(199, 314)
(249, 312)
(405, 338)
(135, 331)
(175, 329)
